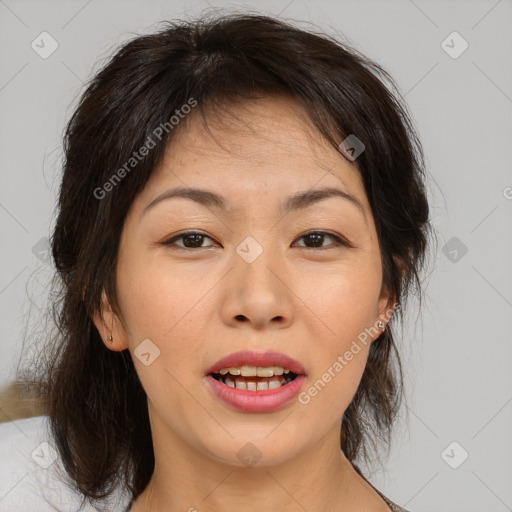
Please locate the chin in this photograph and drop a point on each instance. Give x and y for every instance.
(257, 449)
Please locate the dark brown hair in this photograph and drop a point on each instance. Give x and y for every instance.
(96, 405)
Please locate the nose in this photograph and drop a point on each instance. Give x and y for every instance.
(258, 294)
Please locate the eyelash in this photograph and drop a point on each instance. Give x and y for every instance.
(338, 241)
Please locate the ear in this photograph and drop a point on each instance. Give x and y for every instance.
(388, 304)
(109, 326)
(386, 307)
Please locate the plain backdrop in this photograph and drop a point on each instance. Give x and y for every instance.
(453, 450)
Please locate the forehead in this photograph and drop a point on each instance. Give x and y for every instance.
(265, 146)
(255, 130)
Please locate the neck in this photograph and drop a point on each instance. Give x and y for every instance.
(318, 479)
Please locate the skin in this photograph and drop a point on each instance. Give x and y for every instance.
(200, 304)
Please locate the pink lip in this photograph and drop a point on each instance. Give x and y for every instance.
(256, 401)
(249, 358)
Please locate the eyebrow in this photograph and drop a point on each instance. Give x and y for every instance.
(298, 201)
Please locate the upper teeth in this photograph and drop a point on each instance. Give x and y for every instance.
(255, 371)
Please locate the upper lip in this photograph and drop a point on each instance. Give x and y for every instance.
(260, 359)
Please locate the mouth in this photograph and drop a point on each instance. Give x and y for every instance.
(256, 382)
(252, 378)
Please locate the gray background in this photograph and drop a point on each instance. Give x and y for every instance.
(457, 357)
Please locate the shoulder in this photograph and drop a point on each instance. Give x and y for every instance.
(31, 476)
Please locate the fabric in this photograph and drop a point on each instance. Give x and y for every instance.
(32, 477)
(393, 506)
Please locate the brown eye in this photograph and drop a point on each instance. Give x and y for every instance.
(313, 240)
(191, 240)
(316, 239)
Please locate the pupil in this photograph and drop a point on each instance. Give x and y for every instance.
(197, 240)
(316, 237)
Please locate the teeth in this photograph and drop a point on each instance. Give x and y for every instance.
(266, 377)
(253, 385)
(274, 384)
(249, 371)
(262, 386)
(254, 371)
(232, 371)
(265, 372)
(240, 384)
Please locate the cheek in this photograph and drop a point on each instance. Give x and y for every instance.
(165, 307)
(172, 308)
(334, 382)
(161, 302)
(344, 302)
(343, 305)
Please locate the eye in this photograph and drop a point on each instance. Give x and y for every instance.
(316, 239)
(195, 239)
(192, 240)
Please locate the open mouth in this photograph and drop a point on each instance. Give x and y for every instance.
(256, 383)
(250, 378)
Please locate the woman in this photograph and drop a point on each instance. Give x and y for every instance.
(242, 211)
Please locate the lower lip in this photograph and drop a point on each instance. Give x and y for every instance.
(256, 401)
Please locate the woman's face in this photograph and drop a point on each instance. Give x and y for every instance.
(252, 279)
